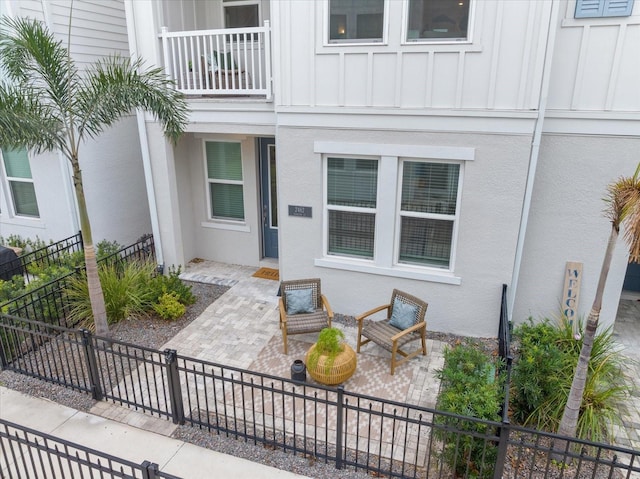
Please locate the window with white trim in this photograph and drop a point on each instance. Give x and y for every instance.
(356, 21)
(429, 20)
(17, 173)
(225, 186)
(391, 211)
(352, 185)
(428, 206)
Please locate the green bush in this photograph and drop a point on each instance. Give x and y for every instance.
(543, 370)
(471, 387)
(126, 293)
(12, 288)
(171, 283)
(26, 244)
(169, 306)
(106, 248)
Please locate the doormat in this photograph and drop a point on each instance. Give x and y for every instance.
(267, 273)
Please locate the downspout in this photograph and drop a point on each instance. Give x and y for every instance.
(534, 153)
(144, 146)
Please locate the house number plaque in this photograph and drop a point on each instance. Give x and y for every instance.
(304, 211)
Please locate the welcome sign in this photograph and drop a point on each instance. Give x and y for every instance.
(571, 291)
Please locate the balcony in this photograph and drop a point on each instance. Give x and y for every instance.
(224, 62)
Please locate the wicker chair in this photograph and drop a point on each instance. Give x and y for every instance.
(390, 337)
(319, 316)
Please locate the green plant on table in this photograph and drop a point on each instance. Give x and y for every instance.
(330, 343)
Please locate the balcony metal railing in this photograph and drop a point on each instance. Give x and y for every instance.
(230, 62)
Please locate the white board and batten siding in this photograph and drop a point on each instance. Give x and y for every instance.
(496, 69)
(596, 65)
(98, 27)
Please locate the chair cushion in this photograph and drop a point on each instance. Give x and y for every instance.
(223, 61)
(403, 315)
(300, 301)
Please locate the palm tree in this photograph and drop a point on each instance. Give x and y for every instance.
(623, 209)
(47, 105)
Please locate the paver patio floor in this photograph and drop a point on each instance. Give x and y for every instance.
(241, 329)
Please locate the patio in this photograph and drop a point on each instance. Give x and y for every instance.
(241, 330)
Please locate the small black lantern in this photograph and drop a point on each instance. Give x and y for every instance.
(298, 371)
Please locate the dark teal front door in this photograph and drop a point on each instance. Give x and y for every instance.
(632, 278)
(269, 197)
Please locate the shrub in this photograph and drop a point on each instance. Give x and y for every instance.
(169, 306)
(107, 248)
(470, 387)
(12, 288)
(543, 371)
(26, 244)
(171, 283)
(126, 293)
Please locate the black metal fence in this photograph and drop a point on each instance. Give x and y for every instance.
(27, 453)
(381, 437)
(48, 303)
(55, 254)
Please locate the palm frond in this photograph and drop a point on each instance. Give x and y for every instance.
(33, 59)
(623, 201)
(116, 86)
(26, 122)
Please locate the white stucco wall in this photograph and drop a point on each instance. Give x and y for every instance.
(231, 242)
(489, 220)
(114, 184)
(567, 223)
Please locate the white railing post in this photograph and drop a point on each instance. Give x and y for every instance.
(165, 53)
(267, 59)
(242, 67)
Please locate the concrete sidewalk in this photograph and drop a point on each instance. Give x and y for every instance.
(128, 442)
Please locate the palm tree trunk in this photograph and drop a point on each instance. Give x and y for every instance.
(570, 416)
(96, 296)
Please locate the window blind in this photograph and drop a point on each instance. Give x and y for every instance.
(430, 187)
(352, 182)
(24, 198)
(224, 161)
(16, 163)
(224, 172)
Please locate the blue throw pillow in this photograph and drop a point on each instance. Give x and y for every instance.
(300, 301)
(403, 315)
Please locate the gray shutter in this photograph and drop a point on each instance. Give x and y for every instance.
(603, 8)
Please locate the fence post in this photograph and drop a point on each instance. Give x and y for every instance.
(339, 427)
(92, 365)
(175, 393)
(503, 445)
(150, 470)
(505, 428)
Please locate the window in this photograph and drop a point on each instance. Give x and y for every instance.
(241, 14)
(392, 209)
(603, 8)
(437, 19)
(224, 180)
(20, 184)
(351, 201)
(427, 212)
(356, 20)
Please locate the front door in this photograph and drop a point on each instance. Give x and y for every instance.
(269, 197)
(632, 278)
